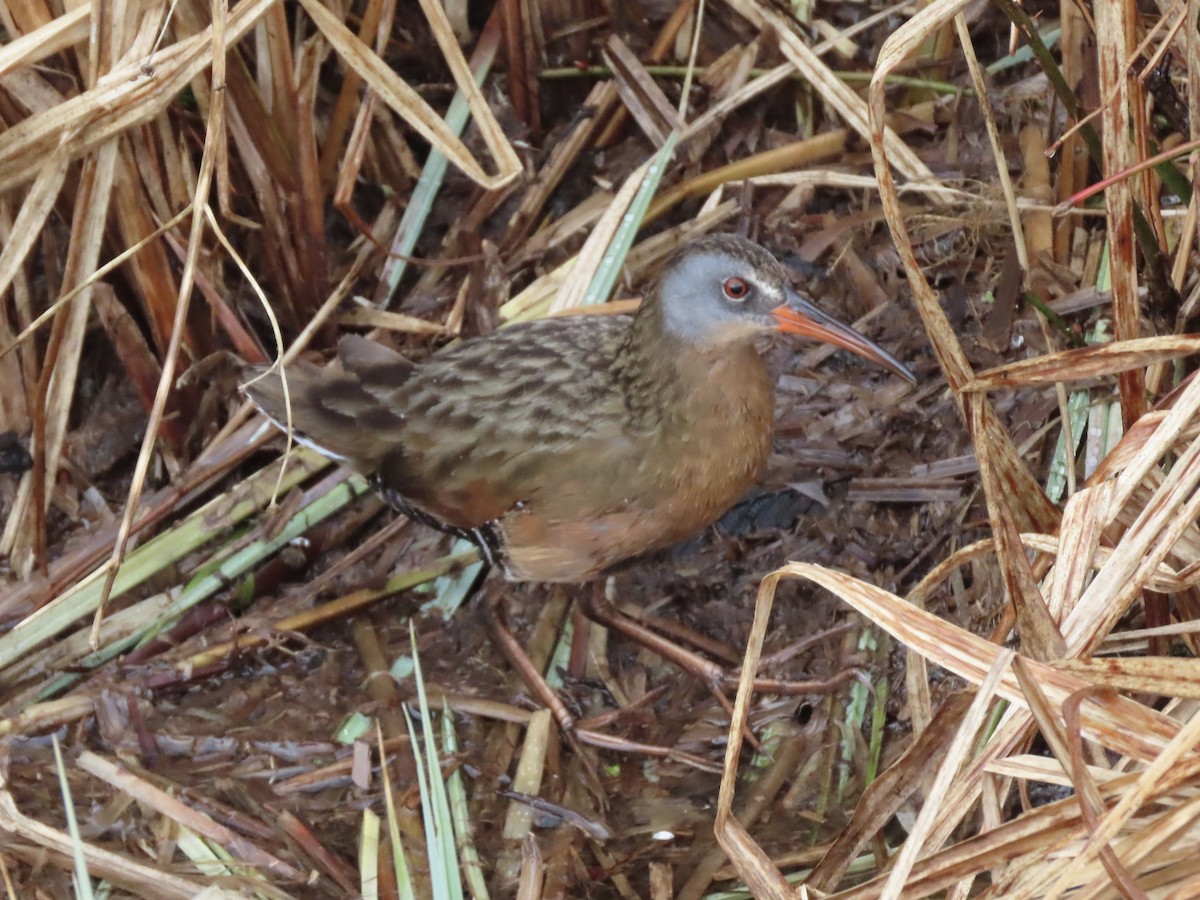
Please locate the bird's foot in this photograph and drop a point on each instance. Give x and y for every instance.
(717, 678)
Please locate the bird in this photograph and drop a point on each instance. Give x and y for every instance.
(565, 446)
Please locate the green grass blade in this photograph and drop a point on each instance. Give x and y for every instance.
(610, 266)
(83, 880)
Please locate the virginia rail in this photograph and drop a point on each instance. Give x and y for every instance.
(564, 446)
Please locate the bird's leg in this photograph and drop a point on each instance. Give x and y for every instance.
(679, 632)
(596, 607)
(511, 648)
(519, 660)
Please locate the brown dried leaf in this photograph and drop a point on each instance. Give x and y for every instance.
(1163, 676)
(1088, 362)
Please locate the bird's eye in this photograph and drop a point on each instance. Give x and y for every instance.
(735, 289)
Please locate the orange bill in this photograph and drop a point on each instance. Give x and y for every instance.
(801, 316)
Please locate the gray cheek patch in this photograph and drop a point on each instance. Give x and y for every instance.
(690, 297)
(693, 307)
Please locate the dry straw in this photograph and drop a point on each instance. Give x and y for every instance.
(1130, 529)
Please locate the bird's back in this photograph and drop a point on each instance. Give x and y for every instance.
(474, 430)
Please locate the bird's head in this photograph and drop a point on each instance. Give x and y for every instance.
(723, 289)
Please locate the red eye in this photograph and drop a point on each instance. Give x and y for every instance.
(735, 288)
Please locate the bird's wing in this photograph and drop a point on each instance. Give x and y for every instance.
(490, 424)
(472, 432)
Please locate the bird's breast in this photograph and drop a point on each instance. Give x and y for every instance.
(656, 486)
(721, 437)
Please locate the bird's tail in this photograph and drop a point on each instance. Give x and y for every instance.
(342, 412)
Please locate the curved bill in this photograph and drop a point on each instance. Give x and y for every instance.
(801, 316)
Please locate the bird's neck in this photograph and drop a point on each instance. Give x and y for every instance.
(662, 376)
